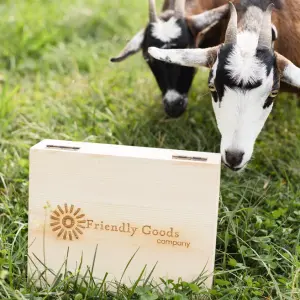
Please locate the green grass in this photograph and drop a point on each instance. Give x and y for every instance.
(60, 84)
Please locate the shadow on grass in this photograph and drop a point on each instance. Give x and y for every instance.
(150, 127)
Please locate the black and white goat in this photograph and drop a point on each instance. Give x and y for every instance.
(246, 71)
(180, 25)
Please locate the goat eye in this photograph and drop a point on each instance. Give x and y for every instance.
(274, 94)
(212, 87)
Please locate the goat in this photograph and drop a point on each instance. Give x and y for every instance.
(246, 71)
(180, 25)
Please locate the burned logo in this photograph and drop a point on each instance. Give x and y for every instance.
(68, 222)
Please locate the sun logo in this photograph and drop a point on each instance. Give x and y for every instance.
(67, 222)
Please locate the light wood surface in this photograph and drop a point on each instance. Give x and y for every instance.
(163, 203)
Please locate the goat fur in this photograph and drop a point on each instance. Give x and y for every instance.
(286, 18)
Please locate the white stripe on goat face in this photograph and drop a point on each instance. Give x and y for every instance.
(172, 96)
(166, 31)
(243, 86)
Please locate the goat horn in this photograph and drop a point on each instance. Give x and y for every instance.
(265, 37)
(152, 12)
(168, 5)
(179, 8)
(231, 32)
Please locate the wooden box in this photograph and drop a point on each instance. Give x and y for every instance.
(163, 203)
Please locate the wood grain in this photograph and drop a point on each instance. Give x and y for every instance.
(123, 199)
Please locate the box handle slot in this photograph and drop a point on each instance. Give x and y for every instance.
(62, 147)
(189, 158)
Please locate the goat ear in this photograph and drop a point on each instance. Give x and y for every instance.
(289, 72)
(132, 47)
(207, 19)
(186, 57)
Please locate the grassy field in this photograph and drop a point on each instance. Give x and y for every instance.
(59, 84)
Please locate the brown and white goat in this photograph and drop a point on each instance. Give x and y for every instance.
(246, 71)
(182, 24)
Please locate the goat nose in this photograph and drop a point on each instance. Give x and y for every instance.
(234, 158)
(175, 107)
